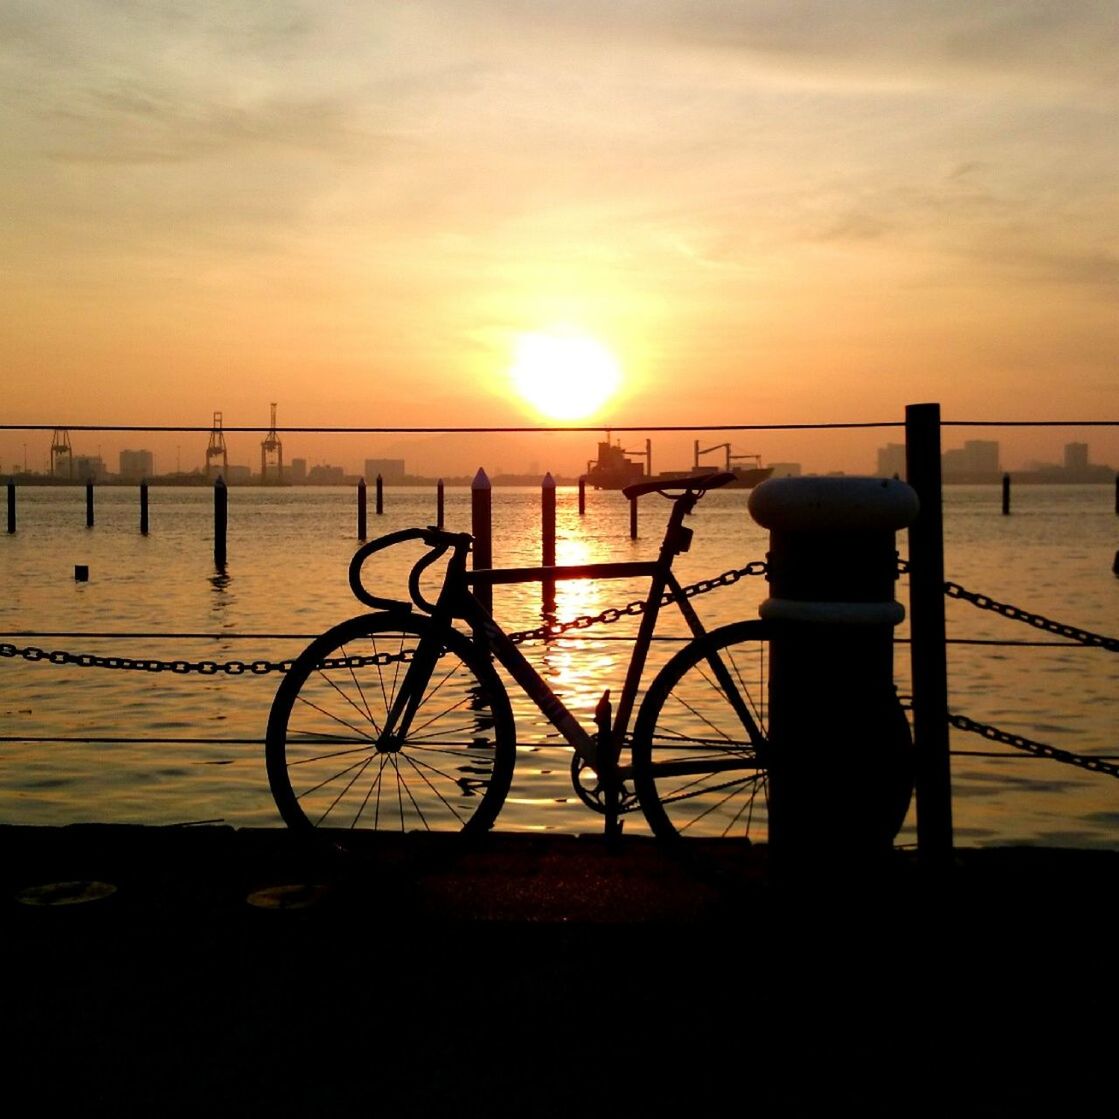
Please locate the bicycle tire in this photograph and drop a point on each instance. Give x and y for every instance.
(698, 769)
(330, 764)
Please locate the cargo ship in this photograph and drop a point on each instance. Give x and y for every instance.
(614, 469)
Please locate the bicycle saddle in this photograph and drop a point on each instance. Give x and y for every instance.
(687, 483)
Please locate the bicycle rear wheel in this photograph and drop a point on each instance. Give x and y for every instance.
(699, 743)
(332, 764)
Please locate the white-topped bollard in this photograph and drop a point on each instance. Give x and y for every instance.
(840, 765)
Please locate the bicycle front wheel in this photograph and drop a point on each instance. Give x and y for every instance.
(699, 743)
(334, 760)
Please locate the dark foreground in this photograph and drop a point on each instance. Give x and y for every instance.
(550, 976)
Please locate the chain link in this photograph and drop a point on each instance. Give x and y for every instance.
(1027, 745)
(1017, 614)
(131, 664)
(634, 609)
(262, 667)
(1038, 621)
(1038, 749)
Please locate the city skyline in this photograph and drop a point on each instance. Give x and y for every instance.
(974, 457)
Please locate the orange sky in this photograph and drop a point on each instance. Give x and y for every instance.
(770, 212)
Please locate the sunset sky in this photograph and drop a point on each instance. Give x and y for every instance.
(768, 211)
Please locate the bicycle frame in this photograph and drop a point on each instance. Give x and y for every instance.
(599, 752)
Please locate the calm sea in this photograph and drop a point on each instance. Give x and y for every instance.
(288, 554)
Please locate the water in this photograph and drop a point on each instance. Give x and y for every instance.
(288, 554)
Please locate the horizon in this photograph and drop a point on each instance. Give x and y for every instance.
(441, 453)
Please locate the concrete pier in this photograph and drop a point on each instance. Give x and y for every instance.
(544, 976)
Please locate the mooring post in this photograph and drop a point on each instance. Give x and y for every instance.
(832, 567)
(11, 505)
(1117, 495)
(928, 649)
(439, 504)
(481, 527)
(582, 495)
(143, 508)
(548, 536)
(1006, 495)
(89, 503)
(221, 521)
(361, 509)
(380, 495)
(633, 518)
(548, 521)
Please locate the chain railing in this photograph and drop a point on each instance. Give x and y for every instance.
(554, 630)
(263, 667)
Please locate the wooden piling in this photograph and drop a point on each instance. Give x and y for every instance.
(221, 521)
(548, 521)
(633, 518)
(361, 509)
(1006, 495)
(439, 504)
(143, 508)
(481, 527)
(548, 536)
(89, 503)
(582, 495)
(380, 506)
(11, 506)
(927, 632)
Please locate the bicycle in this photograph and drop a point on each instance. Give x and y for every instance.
(399, 720)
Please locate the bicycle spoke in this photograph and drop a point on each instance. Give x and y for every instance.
(698, 746)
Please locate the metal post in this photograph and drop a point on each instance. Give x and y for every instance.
(380, 495)
(11, 505)
(143, 508)
(439, 504)
(928, 650)
(361, 509)
(221, 521)
(89, 503)
(633, 518)
(582, 495)
(1006, 495)
(481, 526)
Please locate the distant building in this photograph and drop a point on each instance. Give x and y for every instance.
(89, 468)
(1076, 456)
(390, 469)
(977, 460)
(136, 465)
(238, 475)
(297, 474)
(785, 469)
(891, 461)
(326, 476)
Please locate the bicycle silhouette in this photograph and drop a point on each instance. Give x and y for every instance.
(398, 720)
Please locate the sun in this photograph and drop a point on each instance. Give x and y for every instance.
(564, 375)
